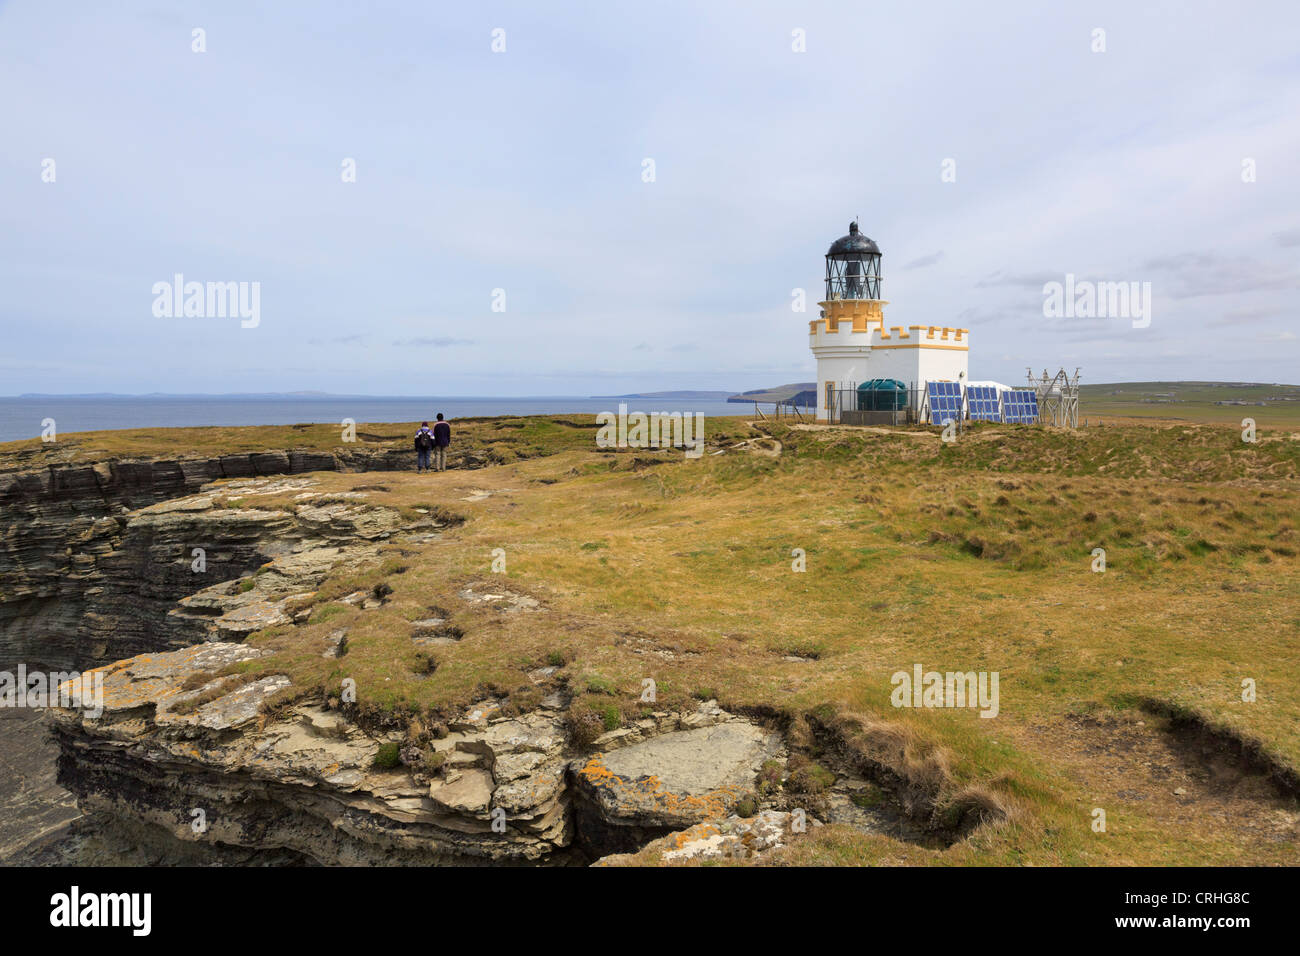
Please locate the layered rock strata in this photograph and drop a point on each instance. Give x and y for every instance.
(69, 538)
(217, 770)
(92, 558)
(195, 759)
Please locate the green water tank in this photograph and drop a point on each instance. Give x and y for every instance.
(882, 395)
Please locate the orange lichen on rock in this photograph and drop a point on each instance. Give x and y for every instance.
(648, 796)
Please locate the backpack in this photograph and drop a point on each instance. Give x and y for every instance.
(423, 440)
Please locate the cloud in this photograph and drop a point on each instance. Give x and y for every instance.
(977, 316)
(338, 340)
(1032, 280)
(1288, 237)
(924, 261)
(1208, 273)
(438, 342)
(1243, 316)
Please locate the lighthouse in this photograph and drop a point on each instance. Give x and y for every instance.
(853, 345)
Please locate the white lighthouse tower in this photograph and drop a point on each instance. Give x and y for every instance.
(852, 344)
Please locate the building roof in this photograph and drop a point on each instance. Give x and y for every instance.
(853, 245)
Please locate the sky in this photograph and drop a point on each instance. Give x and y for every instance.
(987, 148)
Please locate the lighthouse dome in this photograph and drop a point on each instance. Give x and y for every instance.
(853, 245)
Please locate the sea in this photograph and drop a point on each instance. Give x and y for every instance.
(23, 417)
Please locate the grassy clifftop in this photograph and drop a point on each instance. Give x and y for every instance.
(1120, 690)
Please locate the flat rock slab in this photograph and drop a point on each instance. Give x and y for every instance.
(433, 631)
(155, 679)
(677, 778)
(477, 716)
(253, 617)
(697, 761)
(264, 486)
(231, 710)
(502, 600)
(469, 793)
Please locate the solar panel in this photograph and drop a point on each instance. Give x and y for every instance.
(982, 403)
(945, 401)
(1020, 406)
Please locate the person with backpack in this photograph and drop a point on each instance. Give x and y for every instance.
(441, 439)
(424, 443)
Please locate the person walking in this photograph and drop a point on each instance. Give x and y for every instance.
(424, 443)
(441, 439)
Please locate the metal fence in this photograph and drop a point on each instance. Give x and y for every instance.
(848, 406)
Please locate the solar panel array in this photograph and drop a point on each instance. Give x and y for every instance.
(1020, 406)
(945, 401)
(982, 403)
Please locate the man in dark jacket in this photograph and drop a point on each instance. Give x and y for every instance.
(424, 443)
(441, 439)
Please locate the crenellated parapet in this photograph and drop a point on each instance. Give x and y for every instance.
(859, 323)
(859, 315)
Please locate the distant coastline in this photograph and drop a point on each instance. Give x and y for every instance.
(278, 396)
(685, 394)
(23, 416)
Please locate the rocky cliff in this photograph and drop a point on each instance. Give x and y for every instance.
(193, 762)
(86, 573)
(306, 779)
(202, 764)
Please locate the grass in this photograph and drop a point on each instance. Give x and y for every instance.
(388, 756)
(495, 440)
(972, 556)
(1193, 401)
